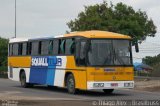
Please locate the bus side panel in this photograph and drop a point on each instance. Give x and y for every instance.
(80, 78)
(51, 75)
(15, 64)
(79, 73)
(38, 75)
(19, 61)
(13, 73)
(49, 70)
(60, 71)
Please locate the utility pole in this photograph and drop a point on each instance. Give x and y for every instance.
(15, 21)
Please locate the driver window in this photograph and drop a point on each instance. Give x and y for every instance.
(82, 57)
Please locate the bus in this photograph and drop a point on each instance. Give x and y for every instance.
(83, 60)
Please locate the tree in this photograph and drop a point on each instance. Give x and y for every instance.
(3, 54)
(155, 63)
(118, 18)
(155, 60)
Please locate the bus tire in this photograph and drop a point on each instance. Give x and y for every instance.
(70, 84)
(108, 91)
(24, 84)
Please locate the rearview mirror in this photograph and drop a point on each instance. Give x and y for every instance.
(136, 47)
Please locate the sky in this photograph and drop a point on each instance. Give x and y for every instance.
(49, 18)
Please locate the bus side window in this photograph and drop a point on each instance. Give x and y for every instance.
(39, 47)
(15, 49)
(10, 49)
(62, 46)
(50, 47)
(56, 46)
(44, 47)
(20, 49)
(70, 46)
(35, 48)
(24, 49)
(29, 48)
(82, 56)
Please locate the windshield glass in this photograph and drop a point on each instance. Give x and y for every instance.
(109, 52)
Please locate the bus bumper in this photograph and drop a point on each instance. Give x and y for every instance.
(109, 84)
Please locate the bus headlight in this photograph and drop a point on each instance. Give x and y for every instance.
(128, 84)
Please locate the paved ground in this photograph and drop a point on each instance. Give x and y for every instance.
(41, 95)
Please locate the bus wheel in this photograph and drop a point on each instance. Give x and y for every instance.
(71, 84)
(23, 80)
(108, 91)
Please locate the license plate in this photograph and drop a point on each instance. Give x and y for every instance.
(114, 84)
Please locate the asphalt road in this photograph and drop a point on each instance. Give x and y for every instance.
(42, 95)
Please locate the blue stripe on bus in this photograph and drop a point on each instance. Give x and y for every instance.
(50, 76)
(43, 74)
(51, 71)
(38, 75)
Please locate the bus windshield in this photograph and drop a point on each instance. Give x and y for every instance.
(109, 52)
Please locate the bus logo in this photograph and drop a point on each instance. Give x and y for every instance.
(39, 62)
(46, 61)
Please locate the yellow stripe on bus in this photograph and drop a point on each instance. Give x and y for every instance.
(19, 61)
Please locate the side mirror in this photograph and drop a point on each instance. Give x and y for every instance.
(136, 47)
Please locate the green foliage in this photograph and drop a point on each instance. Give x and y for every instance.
(3, 69)
(118, 18)
(3, 54)
(155, 63)
(152, 61)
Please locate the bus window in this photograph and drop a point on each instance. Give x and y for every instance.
(29, 48)
(24, 49)
(82, 56)
(35, 48)
(50, 47)
(69, 47)
(15, 49)
(39, 47)
(20, 49)
(44, 47)
(55, 47)
(11, 49)
(62, 47)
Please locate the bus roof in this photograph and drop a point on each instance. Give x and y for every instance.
(98, 34)
(87, 34)
(12, 40)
